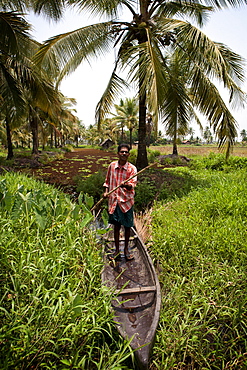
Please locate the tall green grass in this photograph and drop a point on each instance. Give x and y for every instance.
(200, 249)
(54, 313)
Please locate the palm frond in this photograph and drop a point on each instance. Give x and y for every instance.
(44, 95)
(51, 9)
(177, 105)
(11, 91)
(215, 59)
(14, 30)
(114, 89)
(66, 51)
(99, 8)
(198, 13)
(216, 4)
(17, 5)
(146, 70)
(222, 4)
(208, 100)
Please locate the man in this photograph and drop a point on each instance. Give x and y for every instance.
(121, 201)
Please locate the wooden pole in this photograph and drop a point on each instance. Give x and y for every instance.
(131, 177)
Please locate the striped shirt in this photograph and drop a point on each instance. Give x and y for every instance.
(123, 197)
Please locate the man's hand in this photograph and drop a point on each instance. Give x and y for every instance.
(126, 186)
(106, 192)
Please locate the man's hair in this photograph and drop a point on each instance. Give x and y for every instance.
(123, 146)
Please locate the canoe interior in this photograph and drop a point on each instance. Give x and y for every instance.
(136, 302)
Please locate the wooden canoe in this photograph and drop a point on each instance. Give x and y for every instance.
(137, 298)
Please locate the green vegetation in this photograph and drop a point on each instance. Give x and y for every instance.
(91, 185)
(54, 313)
(152, 155)
(219, 162)
(199, 246)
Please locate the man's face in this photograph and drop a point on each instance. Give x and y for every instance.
(123, 154)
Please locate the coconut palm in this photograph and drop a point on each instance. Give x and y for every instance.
(150, 127)
(207, 135)
(24, 90)
(127, 115)
(142, 45)
(14, 39)
(243, 134)
(120, 123)
(93, 136)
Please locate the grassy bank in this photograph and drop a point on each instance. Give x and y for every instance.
(199, 245)
(54, 313)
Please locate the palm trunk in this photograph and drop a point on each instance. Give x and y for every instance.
(34, 130)
(9, 140)
(122, 134)
(175, 148)
(142, 159)
(55, 138)
(131, 129)
(51, 143)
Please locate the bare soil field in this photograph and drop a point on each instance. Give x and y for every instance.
(62, 172)
(204, 150)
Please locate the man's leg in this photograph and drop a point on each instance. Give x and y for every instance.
(127, 254)
(117, 228)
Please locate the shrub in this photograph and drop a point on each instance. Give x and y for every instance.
(156, 184)
(144, 194)
(91, 185)
(68, 148)
(132, 156)
(152, 155)
(218, 162)
(199, 243)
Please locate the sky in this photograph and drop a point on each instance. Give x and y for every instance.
(88, 82)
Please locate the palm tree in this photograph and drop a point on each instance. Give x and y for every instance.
(24, 90)
(12, 102)
(243, 134)
(207, 135)
(93, 136)
(142, 46)
(127, 115)
(120, 123)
